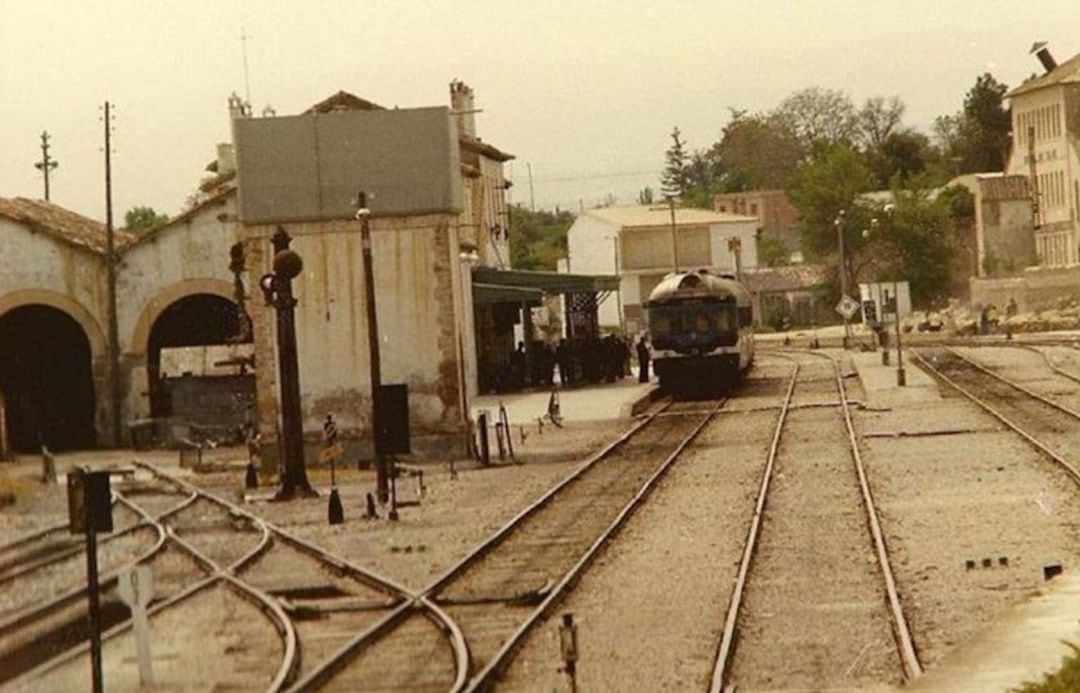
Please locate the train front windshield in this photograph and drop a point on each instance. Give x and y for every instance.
(682, 319)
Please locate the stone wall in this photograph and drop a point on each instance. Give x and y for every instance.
(1033, 290)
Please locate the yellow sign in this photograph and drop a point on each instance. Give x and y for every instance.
(331, 453)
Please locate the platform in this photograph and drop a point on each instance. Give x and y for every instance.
(589, 403)
(879, 382)
(1023, 646)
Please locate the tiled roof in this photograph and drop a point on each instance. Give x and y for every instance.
(786, 278)
(1066, 72)
(60, 223)
(660, 215)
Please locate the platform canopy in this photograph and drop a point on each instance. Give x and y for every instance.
(493, 293)
(546, 282)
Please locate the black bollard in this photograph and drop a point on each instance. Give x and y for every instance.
(336, 514)
(251, 479)
(371, 513)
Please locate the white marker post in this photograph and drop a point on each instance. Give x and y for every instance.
(137, 589)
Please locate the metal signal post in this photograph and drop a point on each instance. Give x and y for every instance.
(47, 163)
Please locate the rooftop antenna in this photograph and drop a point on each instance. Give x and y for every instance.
(247, 86)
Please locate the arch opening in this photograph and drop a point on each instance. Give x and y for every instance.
(46, 375)
(194, 320)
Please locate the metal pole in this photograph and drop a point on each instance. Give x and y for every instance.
(382, 476)
(674, 236)
(618, 298)
(47, 163)
(93, 592)
(843, 270)
(110, 264)
(295, 479)
(901, 377)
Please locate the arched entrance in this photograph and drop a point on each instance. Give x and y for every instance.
(195, 320)
(47, 379)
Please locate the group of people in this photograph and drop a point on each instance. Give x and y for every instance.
(606, 359)
(989, 318)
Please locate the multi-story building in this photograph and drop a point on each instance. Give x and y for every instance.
(776, 216)
(1046, 150)
(638, 244)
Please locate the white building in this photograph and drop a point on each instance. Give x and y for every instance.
(637, 244)
(1045, 128)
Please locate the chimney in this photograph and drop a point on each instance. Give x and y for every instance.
(463, 104)
(238, 108)
(1043, 54)
(226, 158)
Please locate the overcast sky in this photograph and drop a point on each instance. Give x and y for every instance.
(587, 92)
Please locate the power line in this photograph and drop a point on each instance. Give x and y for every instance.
(596, 176)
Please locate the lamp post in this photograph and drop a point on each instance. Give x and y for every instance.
(839, 223)
(901, 375)
(277, 289)
(674, 236)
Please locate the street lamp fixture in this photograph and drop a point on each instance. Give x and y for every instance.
(901, 375)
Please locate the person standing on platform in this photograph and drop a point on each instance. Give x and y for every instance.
(565, 361)
(643, 358)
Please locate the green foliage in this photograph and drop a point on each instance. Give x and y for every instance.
(771, 252)
(676, 177)
(537, 239)
(959, 201)
(820, 118)
(141, 219)
(755, 152)
(645, 196)
(820, 189)
(977, 138)
(1065, 680)
(919, 233)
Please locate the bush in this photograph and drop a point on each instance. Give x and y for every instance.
(1065, 680)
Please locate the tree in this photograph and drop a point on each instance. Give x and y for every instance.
(537, 239)
(645, 196)
(878, 119)
(820, 189)
(986, 125)
(755, 152)
(977, 138)
(917, 235)
(139, 220)
(676, 178)
(901, 155)
(820, 118)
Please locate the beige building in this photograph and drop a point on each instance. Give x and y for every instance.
(1046, 150)
(175, 290)
(776, 216)
(638, 244)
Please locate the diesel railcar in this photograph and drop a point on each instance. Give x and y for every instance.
(702, 332)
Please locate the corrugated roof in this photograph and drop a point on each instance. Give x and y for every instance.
(60, 223)
(1066, 72)
(660, 215)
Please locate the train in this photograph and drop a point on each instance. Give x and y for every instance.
(702, 330)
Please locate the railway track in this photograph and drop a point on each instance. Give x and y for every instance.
(859, 632)
(1044, 423)
(258, 594)
(502, 589)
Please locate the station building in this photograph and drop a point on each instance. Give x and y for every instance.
(175, 289)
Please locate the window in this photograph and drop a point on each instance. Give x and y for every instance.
(753, 209)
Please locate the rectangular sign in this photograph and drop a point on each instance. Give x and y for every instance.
(89, 501)
(310, 167)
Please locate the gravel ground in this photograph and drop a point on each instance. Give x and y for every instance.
(695, 523)
(815, 615)
(216, 641)
(454, 515)
(950, 498)
(1029, 368)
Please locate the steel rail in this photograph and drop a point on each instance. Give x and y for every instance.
(484, 679)
(347, 652)
(1049, 362)
(1073, 473)
(24, 617)
(217, 574)
(727, 641)
(1013, 384)
(908, 655)
(70, 551)
(409, 601)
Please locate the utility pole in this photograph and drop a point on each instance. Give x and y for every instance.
(382, 471)
(532, 196)
(674, 235)
(47, 163)
(110, 264)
